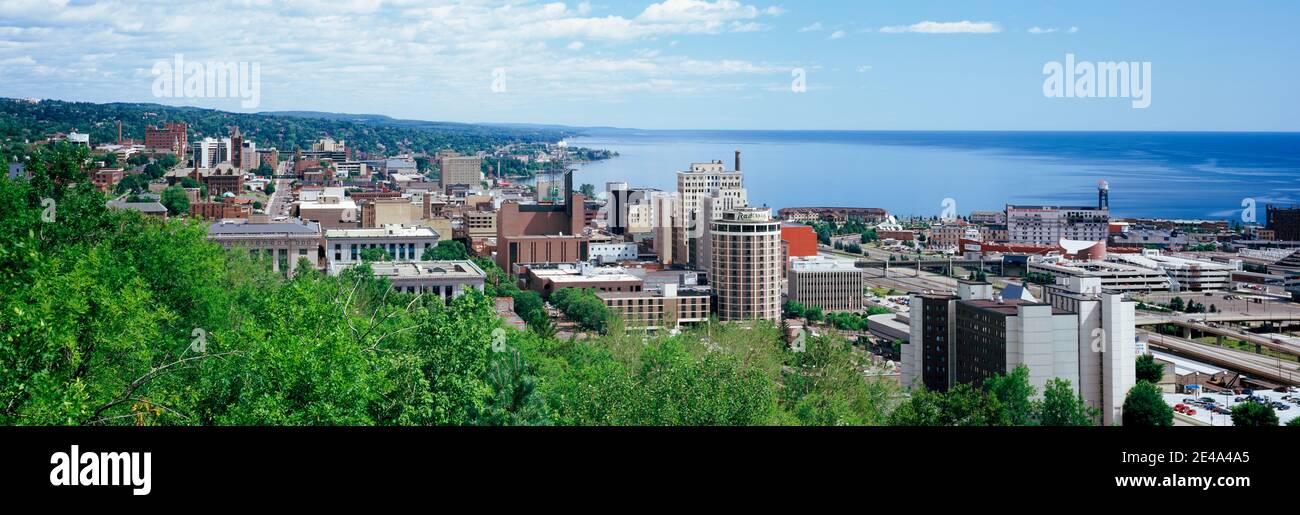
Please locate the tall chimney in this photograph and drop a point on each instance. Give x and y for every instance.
(737, 160)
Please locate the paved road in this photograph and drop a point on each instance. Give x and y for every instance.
(1251, 364)
(279, 203)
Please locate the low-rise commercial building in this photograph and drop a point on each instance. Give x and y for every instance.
(546, 279)
(667, 308)
(284, 243)
(614, 252)
(830, 284)
(400, 243)
(446, 279)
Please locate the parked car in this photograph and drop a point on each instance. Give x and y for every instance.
(1191, 411)
(1207, 400)
(1239, 399)
(1281, 406)
(1180, 407)
(1222, 410)
(1188, 400)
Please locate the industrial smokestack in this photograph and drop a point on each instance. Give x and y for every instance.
(737, 160)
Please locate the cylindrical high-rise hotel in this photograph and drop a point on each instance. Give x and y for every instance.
(746, 264)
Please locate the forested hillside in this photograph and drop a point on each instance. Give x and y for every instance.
(22, 121)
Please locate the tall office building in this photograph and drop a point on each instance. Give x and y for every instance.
(460, 170)
(746, 264)
(706, 182)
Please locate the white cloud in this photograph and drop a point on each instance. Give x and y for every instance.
(438, 53)
(950, 27)
(837, 34)
(813, 27)
(1040, 30)
(1073, 30)
(864, 68)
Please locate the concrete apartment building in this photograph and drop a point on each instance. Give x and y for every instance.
(705, 183)
(1107, 342)
(746, 264)
(540, 233)
(284, 243)
(968, 337)
(1048, 225)
(668, 308)
(830, 284)
(344, 246)
(446, 279)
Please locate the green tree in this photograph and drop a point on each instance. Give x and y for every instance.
(962, 405)
(446, 250)
(1149, 370)
(587, 190)
(1176, 304)
(1254, 414)
(529, 306)
(1144, 406)
(1013, 393)
(1062, 407)
(814, 314)
(134, 183)
(582, 306)
(175, 200)
(374, 254)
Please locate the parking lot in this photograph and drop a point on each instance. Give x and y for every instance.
(1228, 302)
(1228, 401)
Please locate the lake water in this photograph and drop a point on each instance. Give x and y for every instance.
(1172, 175)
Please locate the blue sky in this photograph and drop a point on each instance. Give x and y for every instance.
(693, 64)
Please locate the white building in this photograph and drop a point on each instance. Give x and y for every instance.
(830, 284)
(343, 246)
(446, 279)
(1107, 342)
(612, 252)
(974, 335)
(1113, 275)
(706, 181)
(1184, 274)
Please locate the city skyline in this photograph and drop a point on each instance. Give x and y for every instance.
(676, 64)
